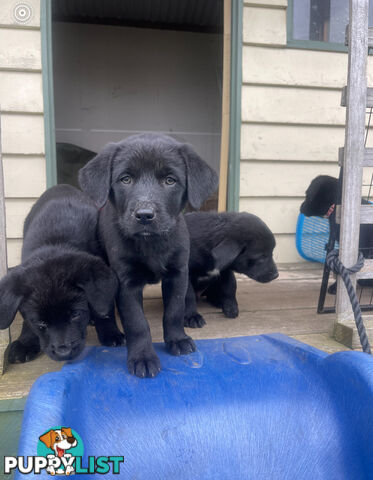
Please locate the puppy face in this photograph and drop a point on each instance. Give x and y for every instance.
(257, 264)
(59, 317)
(148, 178)
(248, 249)
(320, 195)
(57, 298)
(256, 259)
(148, 189)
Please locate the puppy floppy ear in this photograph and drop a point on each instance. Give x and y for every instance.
(202, 180)
(225, 253)
(100, 285)
(48, 438)
(95, 177)
(68, 431)
(10, 298)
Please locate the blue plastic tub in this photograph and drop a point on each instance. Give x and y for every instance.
(312, 234)
(261, 407)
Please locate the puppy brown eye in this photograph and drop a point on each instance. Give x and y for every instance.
(126, 179)
(170, 181)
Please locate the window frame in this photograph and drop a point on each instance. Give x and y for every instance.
(308, 44)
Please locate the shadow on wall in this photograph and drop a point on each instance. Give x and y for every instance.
(70, 159)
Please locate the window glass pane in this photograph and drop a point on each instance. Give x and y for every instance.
(301, 19)
(338, 20)
(322, 20)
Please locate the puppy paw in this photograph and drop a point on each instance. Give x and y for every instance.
(20, 353)
(181, 347)
(194, 321)
(144, 364)
(111, 339)
(230, 308)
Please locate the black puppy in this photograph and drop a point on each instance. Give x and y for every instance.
(61, 284)
(321, 199)
(142, 185)
(220, 244)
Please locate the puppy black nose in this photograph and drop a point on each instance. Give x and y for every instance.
(63, 350)
(145, 215)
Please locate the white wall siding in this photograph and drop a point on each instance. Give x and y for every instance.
(22, 134)
(24, 177)
(280, 179)
(264, 26)
(292, 121)
(7, 14)
(22, 120)
(289, 105)
(16, 210)
(290, 142)
(21, 91)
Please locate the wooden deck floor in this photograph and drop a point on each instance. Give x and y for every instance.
(287, 305)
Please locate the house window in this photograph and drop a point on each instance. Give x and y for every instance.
(320, 22)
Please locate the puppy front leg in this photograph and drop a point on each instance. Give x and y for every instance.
(142, 360)
(174, 288)
(107, 330)
(26, 347)
(228, 287)
(192, 318)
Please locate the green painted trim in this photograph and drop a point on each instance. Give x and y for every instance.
(13, 404)
(235, 107)
(48, 95)
(308, 44)
(313, 45)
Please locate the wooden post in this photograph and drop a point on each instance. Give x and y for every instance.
(353, 157)
(225, 112)
(4, 334)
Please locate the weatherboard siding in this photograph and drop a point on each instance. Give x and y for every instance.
(22, 120)
(292, 121)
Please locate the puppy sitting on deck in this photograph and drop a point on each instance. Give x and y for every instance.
(220, 244)
(141, 185)
(61, 284)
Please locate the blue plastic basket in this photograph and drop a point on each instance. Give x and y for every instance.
(311, 236)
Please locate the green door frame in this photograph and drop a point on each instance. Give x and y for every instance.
(235, 106)
(235, 99)
(48, 94)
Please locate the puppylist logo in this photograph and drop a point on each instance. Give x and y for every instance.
(60, 452)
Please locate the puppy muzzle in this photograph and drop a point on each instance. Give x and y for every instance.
(268, 277)
(145, 213)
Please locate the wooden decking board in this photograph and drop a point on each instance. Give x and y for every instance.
(287, 305)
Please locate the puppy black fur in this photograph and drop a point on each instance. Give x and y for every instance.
(142, 185)
(320, 195)
(220, 244)
(61, 284)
